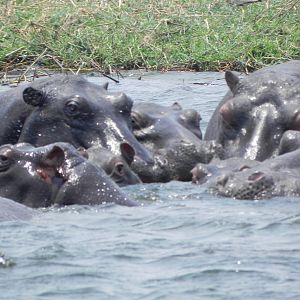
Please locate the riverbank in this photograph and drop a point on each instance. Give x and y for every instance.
(158, 35)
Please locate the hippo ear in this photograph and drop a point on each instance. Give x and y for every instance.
(176, 106)
(55, 157)
(33, 97)
(105, 85)
(127, 152)
(232, 80)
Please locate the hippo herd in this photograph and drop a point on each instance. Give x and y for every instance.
(65, 140)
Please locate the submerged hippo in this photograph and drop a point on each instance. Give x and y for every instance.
(256, 112)
(67, 108)
(173, 136)
(116, 166)
(11, 210)
(218, 169)
(279, 176)
(54, 174)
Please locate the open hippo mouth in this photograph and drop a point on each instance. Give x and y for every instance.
(257, 186)
(51, 169)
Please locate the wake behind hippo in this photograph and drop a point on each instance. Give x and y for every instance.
(54, 174)
(251, 119)
(67, 108)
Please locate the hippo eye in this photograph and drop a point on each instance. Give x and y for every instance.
(72, 108)
(4, 163)
(135, 121)
(139, 121)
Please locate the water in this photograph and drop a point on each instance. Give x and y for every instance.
(183, 243)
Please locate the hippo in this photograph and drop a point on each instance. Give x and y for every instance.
(253, 116)
(175, 163)
(55, 174)
(116, 166)
(11, 211)
(173, 136)
(278, 176)
(70, 109)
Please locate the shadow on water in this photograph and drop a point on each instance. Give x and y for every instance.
(183, 243)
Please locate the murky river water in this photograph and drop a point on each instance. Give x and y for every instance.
(184, 243)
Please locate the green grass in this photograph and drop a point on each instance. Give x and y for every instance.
(153, 34)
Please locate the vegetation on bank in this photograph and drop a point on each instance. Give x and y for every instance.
(154, 34)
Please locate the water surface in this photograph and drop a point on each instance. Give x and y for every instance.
(183, 243)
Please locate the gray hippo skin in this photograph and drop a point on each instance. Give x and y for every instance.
(67, 108)
(218, 169)
(173, 135)
(12, 211)
(290, 141)
(117, 167)
(54, 174)
(251, 119)
(279, 176)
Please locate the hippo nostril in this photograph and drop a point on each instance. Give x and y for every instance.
(256, 176)
(244, 167)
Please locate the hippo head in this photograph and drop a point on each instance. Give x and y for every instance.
(70, 109)
(258, 110)
(158, 126)
(54, 174)
(245, 186)
(278, 176)
(26, 175)
(116, 166)
(210, 173)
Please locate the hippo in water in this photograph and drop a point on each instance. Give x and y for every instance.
(117, 167)
(67, 108)
(278, 176)
(251, 119)
(218, 169)
(54, 174)
(173, 136)
(11, 210)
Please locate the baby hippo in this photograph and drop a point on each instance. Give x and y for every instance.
(117, 167)
(54, 174)
(173, 136)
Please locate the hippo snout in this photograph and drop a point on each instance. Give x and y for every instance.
(259, 185)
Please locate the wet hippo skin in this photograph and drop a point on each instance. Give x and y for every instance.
(11, 210)
(251, 119)
(218, 169)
